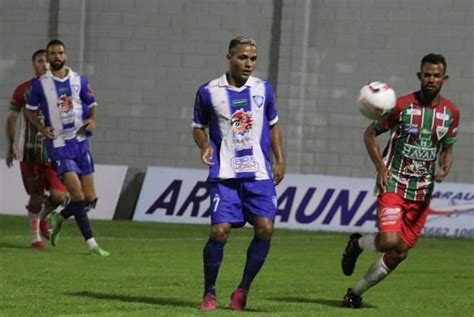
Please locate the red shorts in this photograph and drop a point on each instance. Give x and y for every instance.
(395, 214)
(37, 177)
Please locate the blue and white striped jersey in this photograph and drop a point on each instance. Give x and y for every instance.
(65, 104)
(239, 121)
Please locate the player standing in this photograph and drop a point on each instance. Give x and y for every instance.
(69, 107)
(423, 128)
(36, 170)
(240, 112)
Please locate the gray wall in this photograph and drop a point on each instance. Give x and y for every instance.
(145, 60)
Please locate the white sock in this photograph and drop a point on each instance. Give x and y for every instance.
(367, 242)
(91, 243)
(34, 225)
(377, 272)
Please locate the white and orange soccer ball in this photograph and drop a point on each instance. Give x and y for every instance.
(376, 99)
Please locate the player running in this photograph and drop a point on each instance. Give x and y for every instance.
(423, 129)
(36, 170)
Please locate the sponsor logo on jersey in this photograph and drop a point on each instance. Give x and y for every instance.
(442, 116)
(244, 164)
(413, 111)
(239, 103)
(242, 129)
(259, 100)
(420, 153)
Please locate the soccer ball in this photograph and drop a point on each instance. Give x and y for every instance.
(376, 99)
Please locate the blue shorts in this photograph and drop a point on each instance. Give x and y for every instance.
(82, 165)
(237, 201)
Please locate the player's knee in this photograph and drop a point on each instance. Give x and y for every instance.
(220, 233)
(264, 231)
(34, 208)
(388, 243)
(57, 197)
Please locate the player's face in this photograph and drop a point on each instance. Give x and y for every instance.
(56, 57)
(242, 62)
(40, 64)
(432, 78)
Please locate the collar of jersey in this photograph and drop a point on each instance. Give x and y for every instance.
(224, 83)
(70, 73)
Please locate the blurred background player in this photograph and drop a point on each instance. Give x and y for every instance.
(424, 126)
(36, 170)
(69, 107)
(240, 112)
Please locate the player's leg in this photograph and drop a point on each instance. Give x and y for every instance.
(56, 197)
(31, 182)
(225, 205)
(88, 187)
(259, 205)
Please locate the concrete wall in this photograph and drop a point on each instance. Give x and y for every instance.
(145, 60)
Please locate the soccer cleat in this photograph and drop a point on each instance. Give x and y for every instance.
(44, 229)
(56, 224)
(38, 245)
(238, 299)
(352, 300)
(208, 303)
(350, 255)
(97, 251)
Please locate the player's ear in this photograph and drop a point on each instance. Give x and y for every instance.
(228, 56)
(445, 78)
(418, 75)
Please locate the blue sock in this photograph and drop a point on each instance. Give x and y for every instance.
(82, 221)
(71, 208)
(256, 255)
(213, 254)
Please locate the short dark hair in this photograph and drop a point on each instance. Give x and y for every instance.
(241, 40)
(434, 59)
(55, 42)
(38, 52)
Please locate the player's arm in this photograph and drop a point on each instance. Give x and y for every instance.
(87, 96)
(372, 146)
(10, 130)
(89, 123)
(202, 140)
(445, 161)
(277, 149)
(32, 116)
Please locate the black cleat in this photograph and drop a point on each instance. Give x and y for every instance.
(352, 300)
(350, 255)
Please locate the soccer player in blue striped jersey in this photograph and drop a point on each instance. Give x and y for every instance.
(240, 113)
(68, 105)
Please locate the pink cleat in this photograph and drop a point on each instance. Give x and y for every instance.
(238, 299)
(38, 245)
(208, 303)
(44, 229)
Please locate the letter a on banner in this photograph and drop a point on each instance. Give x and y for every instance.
(173, 190)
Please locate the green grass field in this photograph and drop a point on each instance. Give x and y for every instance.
(155, 270)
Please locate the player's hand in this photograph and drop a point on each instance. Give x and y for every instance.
(383, 174)
(89, 124)
(11, 155)
(48, 132)
(206, 155)
(278, 173)
(440, 174)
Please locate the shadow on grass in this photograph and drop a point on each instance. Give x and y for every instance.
(19, 246)
(321, 301)
(147, 300)
(136, 299)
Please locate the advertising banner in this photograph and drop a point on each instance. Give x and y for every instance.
(310, 202)
(108, 184)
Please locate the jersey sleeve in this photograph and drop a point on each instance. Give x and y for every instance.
(34, 99)
(87, 93)
(270, 110)
(18, 99)
(450, 137)
(201, 111)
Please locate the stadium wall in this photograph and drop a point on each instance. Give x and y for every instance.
(146, 59)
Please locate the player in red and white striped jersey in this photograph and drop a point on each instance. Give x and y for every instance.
(423, 127)
(36, 170)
